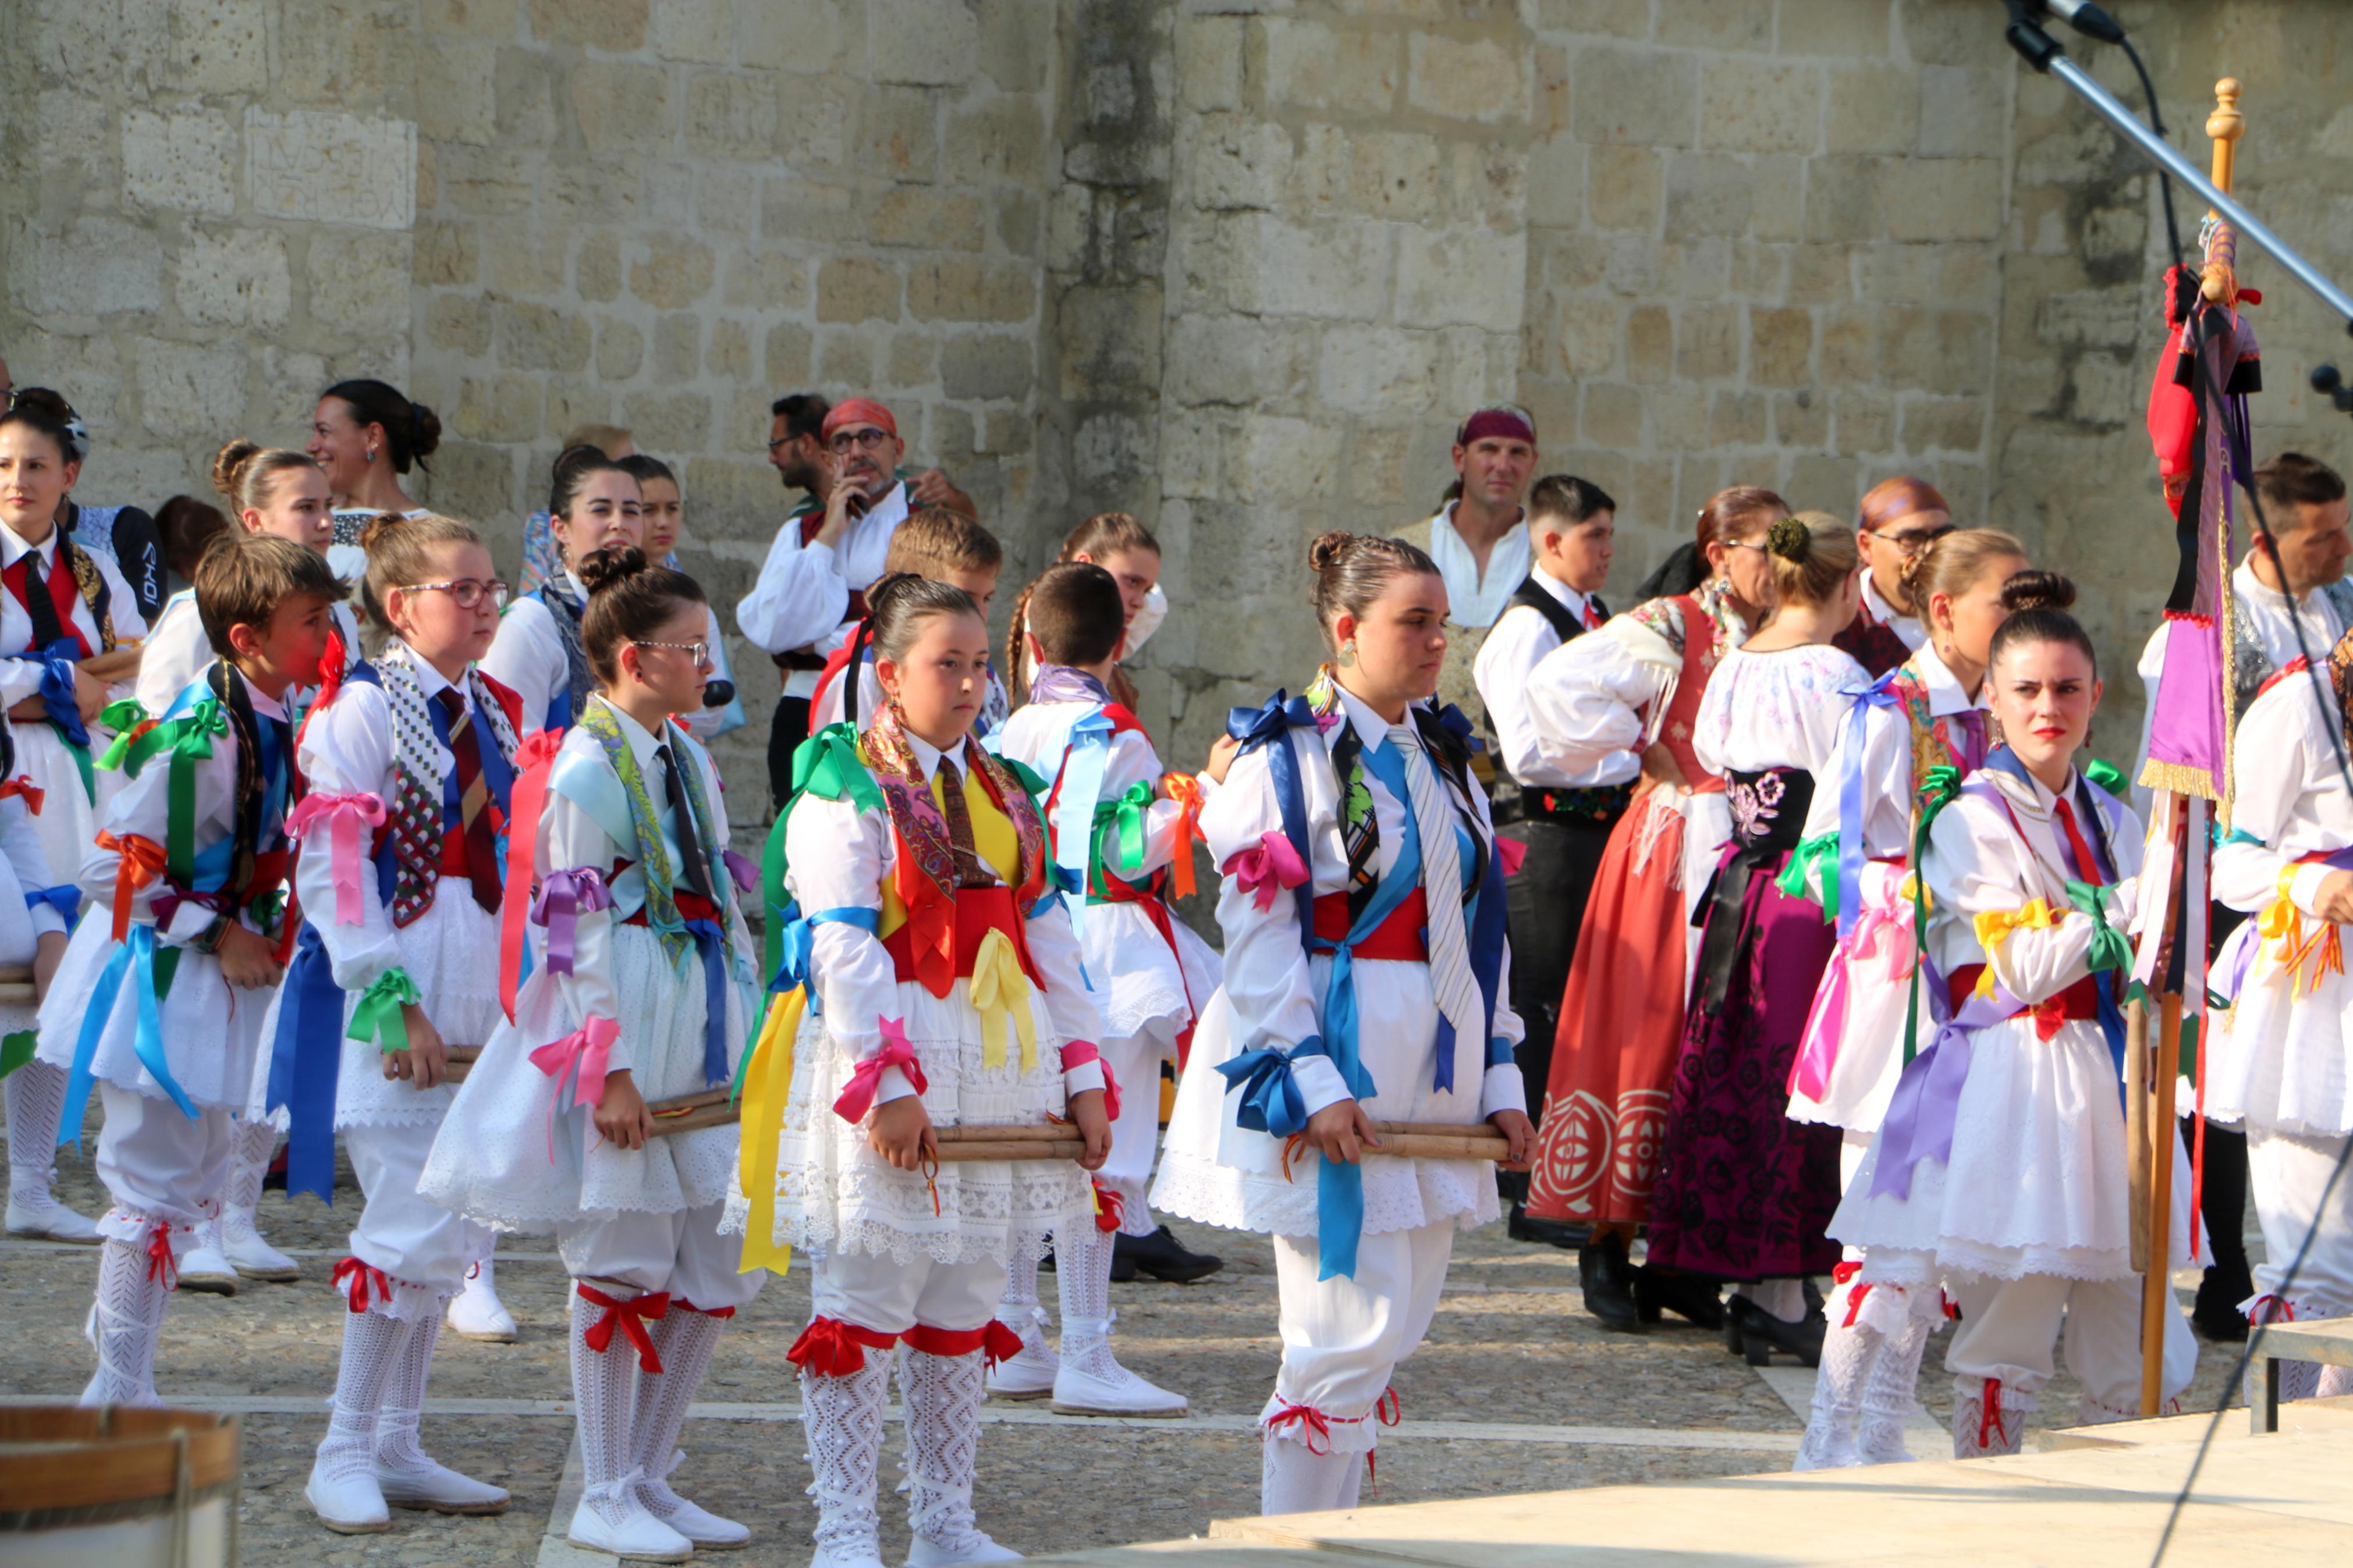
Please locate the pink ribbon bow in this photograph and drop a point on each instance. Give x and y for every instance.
(345, 814)
(858, 1097)
(1879, 929)
(584, 1052)
(1077, 1054)
(1266, 868)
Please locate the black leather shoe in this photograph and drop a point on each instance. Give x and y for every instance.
(1688, 1296)
(1762, 1335)
(1607, 1281)
(1163, 1257)
(1561, 1233)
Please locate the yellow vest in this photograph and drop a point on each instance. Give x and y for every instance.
(992, 835)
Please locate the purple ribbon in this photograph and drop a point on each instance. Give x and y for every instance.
(1919, 1122)
(1064, 683)
(746, 875)
(562, 899)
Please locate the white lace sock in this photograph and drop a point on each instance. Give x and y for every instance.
(251, 1143)
(843, 1417)
(943, 1394)
(1021, 1259)
(1975, 1433)
(36, 1094)
(1293, 1481)
(373, 1348)
(1850, 1352)
(1889, 1391)
(402, 1405)
(1082, 1274)
(685, 1340)
(604, 1386)
(126, 1323)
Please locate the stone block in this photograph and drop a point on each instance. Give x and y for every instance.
(1865, 422)
(1209, 63)
(1312, 66)
(1707, 193)
(898, 135)
(804, 36)
(988, 364)
(1650, 343)
(959, 289)
(1820, 274)
(678, 348)
(1612, 416)
(621, 107)
(1378, 370)
(928, 43)
(1941, 198)
(1750, 105)
(447, 254)
(1778, 200)
(1964, 113)
(928, 219)
(1003, 139)
(1555, 184)
(1637, 96)
(1842, 198)
(1780, 347)
(698, 32)
(184, 160)
(1625, 187)
(1614, 18)
(529, 260)
(2091, 318)
(1110, 339)
(620, 348)
(476, 19)
(1112, 444)
(1237, 163)
(1872, 108)
(1850, 337)
(1279, 460)
(286, 389)
(1737, 419)
(1018, 44)
(460, 322)
(856, 288)
(785, 355)
(1945, 425)
(766, 278)
(481, 181)
(676, 272)
(325, 166)
(913, 362)
(1848, 29)
(541, 337)
(1707, 343)
(220, 46)
(1800, 419)
(1233, 361)
(1336, 269)
(233, 279)
(359, 283)
(615, 26)
(669, 421)
(1483, 81)
(1818, 480)
(189, 389)
(596, 270)
(343, 52)
(1949, 351)
(457, 91)
(1551, 111)
(502, 407)
(805, 212)
(1463, 278)
(730, 114)
(98, 43)
(727, 199)
(1727, 25)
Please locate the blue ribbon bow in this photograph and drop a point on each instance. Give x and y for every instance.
(65, 901)
(58, 662)
(1265, 726)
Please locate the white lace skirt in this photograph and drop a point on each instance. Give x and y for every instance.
(510, 1157)
(210, 1029)
(2280, 1062)
(1215, 1172)
(2040, 1181)
(1140, 983)
(452, 953)
(836, 1194)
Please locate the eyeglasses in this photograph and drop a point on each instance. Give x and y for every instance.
(1912, 543)
(780, 443)
(871, 437)
(468, 592)
(699, 651)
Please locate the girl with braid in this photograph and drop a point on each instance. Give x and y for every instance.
(67, 623)
(597, 505)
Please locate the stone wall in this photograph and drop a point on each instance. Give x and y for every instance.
(1236, 265)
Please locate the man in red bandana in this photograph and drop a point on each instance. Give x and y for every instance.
(814, 582)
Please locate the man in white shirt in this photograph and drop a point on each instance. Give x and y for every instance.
(1479, 540)
(1562, 812)
(1897, 520)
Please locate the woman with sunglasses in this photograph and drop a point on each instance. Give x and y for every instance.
(1899, 519)
(595, 504)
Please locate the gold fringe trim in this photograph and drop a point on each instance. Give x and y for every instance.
(2178, 778)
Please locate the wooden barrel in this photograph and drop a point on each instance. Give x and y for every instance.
(130, 1489)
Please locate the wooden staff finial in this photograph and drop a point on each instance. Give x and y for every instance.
(2218, 282)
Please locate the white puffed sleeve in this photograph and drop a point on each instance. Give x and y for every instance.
(141, 807)
(572, 840)
(836, 857)
(1587, 699)
(176, 653)
(347, 754)
(20, 841)
(527, 658)
(2281, 757)
(1133, 762)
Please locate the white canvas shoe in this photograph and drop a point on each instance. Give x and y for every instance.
(1090, 1383)
(204, 1267)
(476, 1313)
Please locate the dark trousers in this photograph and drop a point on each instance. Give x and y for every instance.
(1546, 905)
(2222, 1201)
(790, 728)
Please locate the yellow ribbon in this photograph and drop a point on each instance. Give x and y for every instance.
(1913, 891)
(767, 1083)
(999, 990)
(2281, 925)
(1994, 926)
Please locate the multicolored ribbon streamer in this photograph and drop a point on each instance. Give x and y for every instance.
(377, 1014)
(344, 816)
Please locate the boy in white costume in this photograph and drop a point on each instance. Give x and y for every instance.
(1120, 825)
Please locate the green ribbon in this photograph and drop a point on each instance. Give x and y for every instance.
(189, 740)
(1938, 789)
(826, 766)
(2109, 948)
(377, 1015)
(16, 1049)
(125, 753)
(1825, 890)
(2107, 775)
(1128, 812)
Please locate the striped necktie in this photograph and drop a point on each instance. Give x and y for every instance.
(473, 801)
(1441, 882)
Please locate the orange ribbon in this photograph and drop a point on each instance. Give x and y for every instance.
(24, 788)
(142, 862)
(1185, 789)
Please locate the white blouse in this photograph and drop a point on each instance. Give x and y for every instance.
(20, 677)
(1778, 709)
(527, 656)
(1593, 703)
(2291, 801)
(1887, 782)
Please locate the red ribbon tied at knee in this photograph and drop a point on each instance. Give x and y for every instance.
(858, 1097)
(1266, 868)
(1989, 1415)
(630, 1318)
(367, 1283)
(161, 1265)
(831, 1348)
(1311, 1424)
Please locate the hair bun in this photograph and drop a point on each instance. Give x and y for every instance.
(2033, 590)
(426, 426)
(378, 530)
(1328, 548)
(1789, 538)
(229, 464)
(609, 568)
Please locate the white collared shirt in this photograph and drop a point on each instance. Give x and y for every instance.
(1910, 627)
(1519, 640)
(802, 598)
(20, 676)
(1475, 598)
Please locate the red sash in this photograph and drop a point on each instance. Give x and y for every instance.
(2079, 1002)
(1399, 937)
(978, 912)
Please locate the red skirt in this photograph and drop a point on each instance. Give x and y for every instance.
(1621, 1025)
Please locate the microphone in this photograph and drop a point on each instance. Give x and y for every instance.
(2087, 19)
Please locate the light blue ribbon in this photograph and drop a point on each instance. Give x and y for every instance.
(795, 946)
(136, 958)
(1851, 803)
(1074, 803)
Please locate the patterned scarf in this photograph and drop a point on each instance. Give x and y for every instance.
(1714, 598)
(2340, 680)
(922, 831)
(556, 595)
(415, 814)
(661, 904)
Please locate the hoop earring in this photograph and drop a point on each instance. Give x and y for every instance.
(1348, 654)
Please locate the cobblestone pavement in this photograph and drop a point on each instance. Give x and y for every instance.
(1556, 1402)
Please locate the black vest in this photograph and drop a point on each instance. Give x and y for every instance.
(1532, 594)
(1599, 806)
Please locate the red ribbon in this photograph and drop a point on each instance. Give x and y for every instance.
(533, 761)
(141, 861)
(1312, 1423)
(24, 788)
(630, 1316)
(1840, 1275)
(858, 1097)
(1077, 1054)
(681, 1304)
(1512, 853)
(1110, 1208)
(1989, 1415)
(160, 1263)
(362, 1276)
(831, 1348)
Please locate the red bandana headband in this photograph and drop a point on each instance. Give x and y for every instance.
(1511, 424)
(857, 411)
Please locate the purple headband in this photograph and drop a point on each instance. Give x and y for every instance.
(1511, 424)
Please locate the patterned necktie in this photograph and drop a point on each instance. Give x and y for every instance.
(693, 876)
(972, 871)
(46, 627)
(1442, 881)
(473, 801)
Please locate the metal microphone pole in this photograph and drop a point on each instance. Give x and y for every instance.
(2041, 51)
